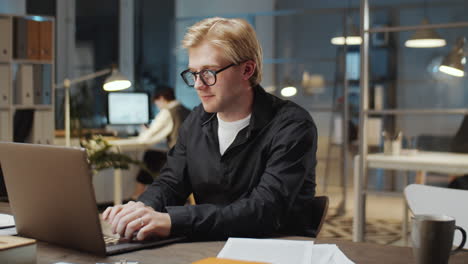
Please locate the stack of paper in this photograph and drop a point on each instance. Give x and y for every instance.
(6, 220)
(328, 253)
(280, 251)
(7, 225)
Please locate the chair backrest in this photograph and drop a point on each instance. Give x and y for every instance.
(320, 208)
(423, 199)
(307, 221)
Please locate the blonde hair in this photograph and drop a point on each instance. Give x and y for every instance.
(236, 37)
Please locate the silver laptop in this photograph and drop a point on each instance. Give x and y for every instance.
(52, 199)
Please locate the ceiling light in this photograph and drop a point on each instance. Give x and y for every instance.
(425, 38)
(353, 37)
(288, 91)
(453, 62)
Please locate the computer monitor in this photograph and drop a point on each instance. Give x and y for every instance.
(128, 108)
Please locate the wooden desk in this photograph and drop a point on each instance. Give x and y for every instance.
(423, 161)
(184, 253)
(361, 253)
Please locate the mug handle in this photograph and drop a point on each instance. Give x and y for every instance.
(460, 247)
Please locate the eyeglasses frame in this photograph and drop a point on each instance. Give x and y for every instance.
(215, 73)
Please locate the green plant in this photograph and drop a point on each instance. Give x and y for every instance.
(101, 156)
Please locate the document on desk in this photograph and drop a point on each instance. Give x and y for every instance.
(268, 250)
(329, 254)
(280, 251)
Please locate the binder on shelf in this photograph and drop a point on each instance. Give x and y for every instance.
(5, 127)
(36, 133)
(42, 84)
(26, 39)
(45, 40)
(37, 84)
(48, 127)
(24, 85)
(6, 39)
(22, 125)
(43, 127)
(46, 84)
(5, 85)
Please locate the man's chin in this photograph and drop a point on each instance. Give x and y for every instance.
(209, 109)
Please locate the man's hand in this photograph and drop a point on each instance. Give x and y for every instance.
(131, 217)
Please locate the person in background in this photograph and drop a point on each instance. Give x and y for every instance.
(165, 126)
(247, 156)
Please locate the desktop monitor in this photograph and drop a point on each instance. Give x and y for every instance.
(128, 108)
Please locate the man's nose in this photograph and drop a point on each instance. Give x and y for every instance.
(199, 83)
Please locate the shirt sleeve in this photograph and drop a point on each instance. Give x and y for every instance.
(260, 212)
(159, 129)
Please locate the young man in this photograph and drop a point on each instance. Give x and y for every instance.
(165, 126)
(247, 156)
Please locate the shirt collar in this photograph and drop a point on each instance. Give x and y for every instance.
(263, 109)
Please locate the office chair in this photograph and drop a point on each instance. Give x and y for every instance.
(423, 199)
(307, 222)
(320, 206)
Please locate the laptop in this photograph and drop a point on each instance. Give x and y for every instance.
(52, 199)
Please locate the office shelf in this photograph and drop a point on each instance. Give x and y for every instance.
(26, 77)
(461, 111)
(36, 107)
(24, 61)
(411, 28)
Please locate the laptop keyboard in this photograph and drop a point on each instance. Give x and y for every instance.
(109, 240)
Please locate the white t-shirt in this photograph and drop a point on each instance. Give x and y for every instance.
(227, 131)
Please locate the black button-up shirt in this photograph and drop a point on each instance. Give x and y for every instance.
(260, 186)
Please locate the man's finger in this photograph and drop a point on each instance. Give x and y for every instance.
(127, 209)
(144, 232)
(127, 219)
(133, 226)
(114, 211)
(106, 212)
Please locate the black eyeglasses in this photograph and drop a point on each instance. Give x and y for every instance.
(208, 77)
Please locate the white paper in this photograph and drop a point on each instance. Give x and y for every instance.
(275, 251)
(6, 220)
(322, 254)
(11, 231)
(280, 251)
(328, 254)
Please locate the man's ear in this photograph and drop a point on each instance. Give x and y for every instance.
(248, 69)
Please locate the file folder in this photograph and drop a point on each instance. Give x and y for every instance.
(5, 39)
(45, 40)
(5, 85)
(24, 85)
(26, 39)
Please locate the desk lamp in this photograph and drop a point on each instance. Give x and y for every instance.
(115, 82)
